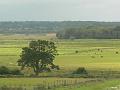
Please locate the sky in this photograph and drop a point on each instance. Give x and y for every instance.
(59, 10)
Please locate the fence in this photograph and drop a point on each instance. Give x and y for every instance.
(47, 86)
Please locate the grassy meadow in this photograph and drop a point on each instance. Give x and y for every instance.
(93, 54)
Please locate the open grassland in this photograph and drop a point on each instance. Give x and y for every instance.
(92, 54)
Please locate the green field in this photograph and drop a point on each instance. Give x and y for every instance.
(93, 54)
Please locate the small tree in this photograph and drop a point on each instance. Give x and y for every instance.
(39, 56)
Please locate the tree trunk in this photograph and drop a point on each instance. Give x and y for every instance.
(37, 69)
(36, 73)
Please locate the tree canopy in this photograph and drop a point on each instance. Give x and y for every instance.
(39, 55)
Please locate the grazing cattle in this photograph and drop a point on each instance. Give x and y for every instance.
(93, 56)
(116, 52)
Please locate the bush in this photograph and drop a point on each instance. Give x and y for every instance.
(16, 72)
(4, 70)
(80, 70)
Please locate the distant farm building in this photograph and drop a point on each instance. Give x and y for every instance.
(51, 34)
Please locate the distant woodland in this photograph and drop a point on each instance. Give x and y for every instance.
(64, 29)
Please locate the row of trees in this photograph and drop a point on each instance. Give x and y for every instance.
(78, 33)
(41, 27)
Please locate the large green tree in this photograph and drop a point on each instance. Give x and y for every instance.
(39, 55)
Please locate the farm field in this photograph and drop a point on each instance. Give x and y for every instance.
(93, 54)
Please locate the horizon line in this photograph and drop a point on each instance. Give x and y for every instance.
(56, 21)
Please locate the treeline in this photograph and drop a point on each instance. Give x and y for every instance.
(41, 27)
(90, 33)
(26, 27)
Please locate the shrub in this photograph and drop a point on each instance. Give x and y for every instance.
(4, 70)
(80, 70)
(16, 72)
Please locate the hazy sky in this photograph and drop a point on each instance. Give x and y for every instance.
(97, 10)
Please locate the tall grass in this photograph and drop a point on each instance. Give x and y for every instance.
(44, 85)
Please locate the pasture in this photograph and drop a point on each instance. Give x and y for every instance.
(94, 55)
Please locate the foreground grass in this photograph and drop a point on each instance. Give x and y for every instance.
(37, 81)
(84, 84)
(95, 86)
